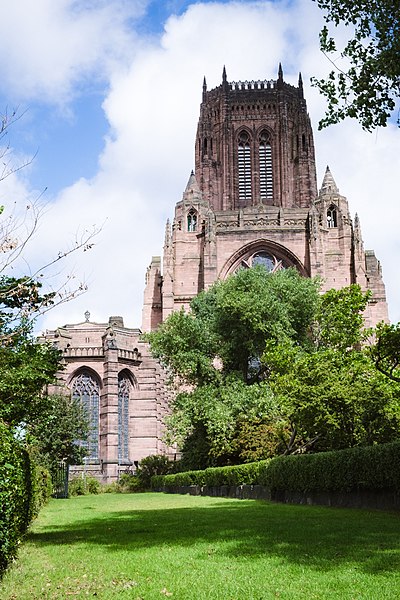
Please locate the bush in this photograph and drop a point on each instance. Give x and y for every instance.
(24, 488)
(129, 483)
(153, 465)
(362, 468)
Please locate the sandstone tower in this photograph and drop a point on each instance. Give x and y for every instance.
(253, 198)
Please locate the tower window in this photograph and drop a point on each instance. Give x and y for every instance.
(265, 158)
(331, 217)
(244, 168)
(192, 220)
(124, 388)
(86, 390)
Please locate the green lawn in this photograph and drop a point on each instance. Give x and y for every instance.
(150, 546)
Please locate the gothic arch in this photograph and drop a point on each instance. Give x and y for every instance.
(85, 386)
(126, 386)
(275, 250)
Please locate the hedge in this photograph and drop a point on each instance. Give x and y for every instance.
(362, 468)
(24, 488)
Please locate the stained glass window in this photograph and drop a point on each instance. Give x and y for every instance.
(86, 389)
(124, 388)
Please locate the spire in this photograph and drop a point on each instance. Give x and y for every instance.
(224, 79)
(328, 185)
(167, 238)
(192, 185)
(280, 73)
(204, 88)
(301, 86)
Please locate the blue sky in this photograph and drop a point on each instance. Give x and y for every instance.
(109, 94)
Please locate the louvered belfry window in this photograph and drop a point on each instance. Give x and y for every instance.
(244, 168)
(265, 158)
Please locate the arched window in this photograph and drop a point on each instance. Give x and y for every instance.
(265, 158)
(124, 389)
(331, 217)
(86, 389)
(269, 261)
(192, 220)
(244, 168)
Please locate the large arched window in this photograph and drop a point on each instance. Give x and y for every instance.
(244, 168)
(265, 158)
(124, 390)
(86, 389)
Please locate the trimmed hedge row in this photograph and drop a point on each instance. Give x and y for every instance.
(24, 488)
(368, 468)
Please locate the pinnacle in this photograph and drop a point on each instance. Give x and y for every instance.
(329, 184)
(192, 185)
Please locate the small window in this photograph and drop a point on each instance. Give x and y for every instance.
(192, 220)
(331, 217)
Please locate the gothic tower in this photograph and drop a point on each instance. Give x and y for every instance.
(253, 199)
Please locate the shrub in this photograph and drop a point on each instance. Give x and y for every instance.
(369, 468)
(129, 483)
(24, 488)
(153, 465)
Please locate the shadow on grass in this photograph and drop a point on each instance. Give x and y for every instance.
(321, 538)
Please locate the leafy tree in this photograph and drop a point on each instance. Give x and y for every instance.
(339, 320)
(58, 430)
(333, 399)
(232, 321)
(366, 84)
(26, 367)
(385, 352)
(215, 351)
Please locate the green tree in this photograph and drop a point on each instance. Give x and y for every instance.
(215, 351)
(333, 399)
(385, 351)
(232, 321)
(365, 83)
(58, 430)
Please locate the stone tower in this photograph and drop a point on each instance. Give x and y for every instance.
(253, 199)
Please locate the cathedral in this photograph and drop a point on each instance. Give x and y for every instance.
(252, 199)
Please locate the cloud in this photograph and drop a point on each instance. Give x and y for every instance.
(53, 46)
(152, 107)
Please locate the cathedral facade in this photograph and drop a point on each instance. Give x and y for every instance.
(252, 199)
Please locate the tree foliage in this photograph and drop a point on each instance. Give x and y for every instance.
(263, 365)
(365, 81)
(58, 430)
(385, 352)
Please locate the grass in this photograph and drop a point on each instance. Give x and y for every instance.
(150, 546)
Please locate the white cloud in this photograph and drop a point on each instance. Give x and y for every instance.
(49, 47)
(152, 108)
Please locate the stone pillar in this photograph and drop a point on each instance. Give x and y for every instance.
(109, 408)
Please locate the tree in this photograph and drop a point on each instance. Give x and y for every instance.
(57, 432)
(27, 366)
(264, 364)
(232, 321)
(385, 352)
(365, 81)
(213, 354)
(333, 399)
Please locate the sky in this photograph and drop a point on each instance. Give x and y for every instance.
(108, 94)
